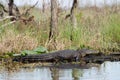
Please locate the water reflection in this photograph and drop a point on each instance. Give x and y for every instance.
(54, 73)
(77, 73)
(107, 71)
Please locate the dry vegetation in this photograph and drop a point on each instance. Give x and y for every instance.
(97, 28)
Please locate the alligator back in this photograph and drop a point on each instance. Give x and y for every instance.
(66, 54)
(53, 56)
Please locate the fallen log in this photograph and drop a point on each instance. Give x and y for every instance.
(83, 55)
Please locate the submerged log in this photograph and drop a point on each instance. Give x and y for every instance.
(84, 55)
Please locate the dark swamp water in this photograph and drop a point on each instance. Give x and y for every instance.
(105, 71)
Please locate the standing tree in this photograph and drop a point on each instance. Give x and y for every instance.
(95, 5)
(104, 2)
(10, 4)
(116, 7)
(72, 16)
(72, 13)
(54, 20)
(43, 6)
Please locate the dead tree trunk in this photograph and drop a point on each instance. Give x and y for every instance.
(10, 4)
(72, 16)
(105, 7)
(95, 5)
(116, 7)
(54, 20)
(72, 13)
(43, 6)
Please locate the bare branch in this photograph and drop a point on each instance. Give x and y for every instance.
(16, 9)
(1, 14)
(27, 11)
(7, 17)
(74, 5)
(3, 8)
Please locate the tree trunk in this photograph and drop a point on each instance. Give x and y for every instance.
(54, 20)
(10, 4)
(116, 3)
(72, 13)
(73, 17)
(43, 6)
(95, 5)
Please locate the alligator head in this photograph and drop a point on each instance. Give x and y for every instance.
(85, 51)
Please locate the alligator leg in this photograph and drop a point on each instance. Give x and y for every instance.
(77, 59)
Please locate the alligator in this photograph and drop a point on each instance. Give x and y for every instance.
(61, 55)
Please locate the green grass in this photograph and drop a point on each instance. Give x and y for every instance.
(111, 31)
(95, 30)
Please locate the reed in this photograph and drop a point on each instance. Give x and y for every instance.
(96, 29)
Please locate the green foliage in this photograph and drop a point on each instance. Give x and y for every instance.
(114, 28)
(5, 56)
(38, 50)
(27, 52)
(10, 54)
(111, 33)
